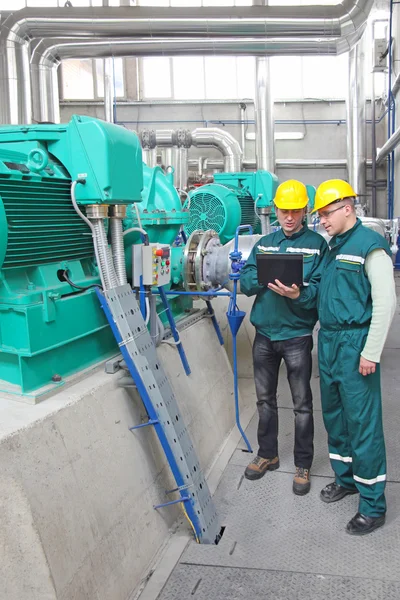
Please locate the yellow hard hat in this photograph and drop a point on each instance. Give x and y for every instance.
(291, 195)
(331, 191)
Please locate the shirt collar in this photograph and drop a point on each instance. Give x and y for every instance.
(282, 237)
(339, 239)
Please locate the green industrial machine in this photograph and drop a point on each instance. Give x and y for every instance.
(49, 329)
(233, 199)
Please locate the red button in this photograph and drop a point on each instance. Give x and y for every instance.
(167, 262)
(159, 252)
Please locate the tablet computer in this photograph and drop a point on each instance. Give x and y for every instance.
(288, 268)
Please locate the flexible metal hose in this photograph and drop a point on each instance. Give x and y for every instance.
(105, 256)
(117, 243)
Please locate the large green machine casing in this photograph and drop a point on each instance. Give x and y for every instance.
(47, 329)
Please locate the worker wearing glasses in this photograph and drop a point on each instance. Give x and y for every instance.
(356, 304)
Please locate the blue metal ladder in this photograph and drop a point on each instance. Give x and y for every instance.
(130, 331)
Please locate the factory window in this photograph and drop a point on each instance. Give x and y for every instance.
(195, 2)
(211, 78)
(83, 79)
(156, 75)
(18, 4)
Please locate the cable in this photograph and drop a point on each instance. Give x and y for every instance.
(140, 230)
(147, 303)
(80, 287)
(138, 215)
(82, 216)
(191, 524)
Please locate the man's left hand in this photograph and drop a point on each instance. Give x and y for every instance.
(290, 292)
(367, 367)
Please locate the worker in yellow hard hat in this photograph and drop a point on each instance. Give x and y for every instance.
(356, 303)
(284, 331)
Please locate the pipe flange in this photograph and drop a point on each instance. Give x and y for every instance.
(118, 211)
(182, 138)
(193, 259)
(97, 211)
(148, 139)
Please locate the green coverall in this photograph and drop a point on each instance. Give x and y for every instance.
(351, 402)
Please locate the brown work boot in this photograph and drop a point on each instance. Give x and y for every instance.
(259, 466)
(301, 481)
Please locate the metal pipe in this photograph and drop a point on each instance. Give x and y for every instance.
(243, 109)
(108, 90)
(164, 138)
(49, 50)
(48, 53)
(181, 168)
(265, 151)
(356, 122)
(281, 163)
(263, 113)
(212, 137)
(373, 144)
(149, 156)
(318, 29)
(388, 147)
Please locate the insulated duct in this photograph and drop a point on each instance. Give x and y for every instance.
(264, 115)
(356, 123)
(303, 29)
(212, 137)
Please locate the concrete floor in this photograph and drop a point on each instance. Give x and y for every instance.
(278, 546)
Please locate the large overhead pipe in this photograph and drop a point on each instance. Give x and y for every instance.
(47, 54)
(329, 29)
(212, 137)
(356, 122)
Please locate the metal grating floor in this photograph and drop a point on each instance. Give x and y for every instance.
(278, 546)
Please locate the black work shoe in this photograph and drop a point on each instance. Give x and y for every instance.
(334, 492)
(259, 466)
(301, 481)
(361, 524)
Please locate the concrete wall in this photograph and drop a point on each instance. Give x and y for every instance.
(78, 488)
(321, 141)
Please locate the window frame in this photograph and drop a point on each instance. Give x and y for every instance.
(96, 97)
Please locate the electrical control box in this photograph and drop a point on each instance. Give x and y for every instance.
(380, 55)
(152, 263)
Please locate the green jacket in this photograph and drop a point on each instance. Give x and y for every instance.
(275, 316)
(344, 299)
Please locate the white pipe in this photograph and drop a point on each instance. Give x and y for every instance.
(356, 122)
(213, 137)
(309, 29)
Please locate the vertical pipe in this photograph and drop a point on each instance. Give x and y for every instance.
(264, 111)
(181, 167)
(108, 90)
(150, 156)
(356, 140)
(166, 157)
(373, 136)
(243, 128)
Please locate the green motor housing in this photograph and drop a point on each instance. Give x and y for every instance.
(49, 329)
(230, 201)
(108, 157)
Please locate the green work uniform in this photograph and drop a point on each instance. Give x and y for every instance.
(274, 316)
(351, 402)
